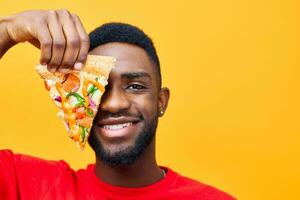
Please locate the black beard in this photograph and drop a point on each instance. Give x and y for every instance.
(130, 154)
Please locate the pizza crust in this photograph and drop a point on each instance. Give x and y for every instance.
(99, 65)
(96, 65)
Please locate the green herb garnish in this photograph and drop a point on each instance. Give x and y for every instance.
(77, 96)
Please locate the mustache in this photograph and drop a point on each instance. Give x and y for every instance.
(122, 113)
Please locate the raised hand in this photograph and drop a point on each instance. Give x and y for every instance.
(59, 34)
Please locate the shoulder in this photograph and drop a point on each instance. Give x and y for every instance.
(26, 166)
(198, 190)
(34, 178)
(30, 162)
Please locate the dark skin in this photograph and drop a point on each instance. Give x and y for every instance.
(59, 34)
(64, 45)
(140, 94)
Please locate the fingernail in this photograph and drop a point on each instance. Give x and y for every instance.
(78, 66)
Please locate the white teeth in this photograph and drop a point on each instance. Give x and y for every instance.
(117, 126)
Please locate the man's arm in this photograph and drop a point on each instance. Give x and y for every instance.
(59, 34)
(5, 41)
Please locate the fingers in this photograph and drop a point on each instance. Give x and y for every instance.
(58, 39)
(85, 43)
(64, 42)
(45, 40)
(72, 41)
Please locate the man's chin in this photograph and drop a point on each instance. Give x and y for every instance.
(117, 156)
(115, 147)
(116, 151)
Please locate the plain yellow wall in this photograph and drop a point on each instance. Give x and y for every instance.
(233, 70)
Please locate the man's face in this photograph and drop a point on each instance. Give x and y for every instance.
(128, 113)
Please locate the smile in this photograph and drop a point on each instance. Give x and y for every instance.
(117, 126)
(118, 130)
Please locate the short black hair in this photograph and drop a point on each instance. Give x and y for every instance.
(126, 33)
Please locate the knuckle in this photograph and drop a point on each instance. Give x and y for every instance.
(75, 16)
(59, 44)
(85, 39)
(51, 13)
(45, 44)
(64, 11)
(73, 43)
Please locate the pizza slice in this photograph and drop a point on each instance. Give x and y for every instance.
(78, 94)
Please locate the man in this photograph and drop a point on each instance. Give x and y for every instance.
(123, 132)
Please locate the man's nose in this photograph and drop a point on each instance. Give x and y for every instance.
(114, 100)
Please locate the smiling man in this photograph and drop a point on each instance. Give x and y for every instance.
(124, 128)
(123, 132)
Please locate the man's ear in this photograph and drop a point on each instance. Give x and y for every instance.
(163, 99)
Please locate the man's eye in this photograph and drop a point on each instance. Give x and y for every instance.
(135, 87)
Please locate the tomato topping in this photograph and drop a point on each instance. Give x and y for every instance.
(71, 84)
(80, 113)
(86, 122)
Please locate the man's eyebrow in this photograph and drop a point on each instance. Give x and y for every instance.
(136, 75)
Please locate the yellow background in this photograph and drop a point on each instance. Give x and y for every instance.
(233, 70)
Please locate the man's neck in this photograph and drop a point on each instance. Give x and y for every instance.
(142, 172)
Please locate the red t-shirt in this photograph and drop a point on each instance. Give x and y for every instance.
(29, 178)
